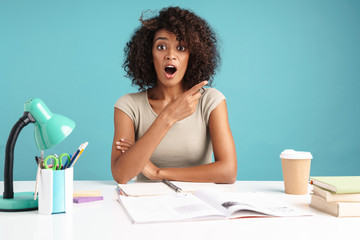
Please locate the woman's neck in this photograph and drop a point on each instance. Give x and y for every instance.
(163, 93)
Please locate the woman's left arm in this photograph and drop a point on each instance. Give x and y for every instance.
(223, 170)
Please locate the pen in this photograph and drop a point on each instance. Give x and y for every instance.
(74, 156)
(172, 186)
(81, 151)
(120, 191)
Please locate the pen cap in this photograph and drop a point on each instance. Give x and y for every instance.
(292, 154)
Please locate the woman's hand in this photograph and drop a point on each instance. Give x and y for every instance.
(151, 171)
(184, 105)
(123, 145)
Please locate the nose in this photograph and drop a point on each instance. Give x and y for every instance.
(171, 55)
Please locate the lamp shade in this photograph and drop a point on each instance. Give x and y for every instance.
(49, 128)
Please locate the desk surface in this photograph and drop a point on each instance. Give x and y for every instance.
(107, 220)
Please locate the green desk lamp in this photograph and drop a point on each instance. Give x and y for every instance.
(50, 129)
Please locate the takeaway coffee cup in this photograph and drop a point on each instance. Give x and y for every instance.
(296, 171)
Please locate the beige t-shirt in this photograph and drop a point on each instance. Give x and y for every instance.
(187, 143)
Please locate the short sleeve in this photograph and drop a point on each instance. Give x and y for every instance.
(127, 105)
(209, 101)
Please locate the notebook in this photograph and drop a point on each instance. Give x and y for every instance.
(335, 197)
(344, 184)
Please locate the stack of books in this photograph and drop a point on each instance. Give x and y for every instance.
(338, 196)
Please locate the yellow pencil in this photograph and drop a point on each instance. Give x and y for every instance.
(83, 148)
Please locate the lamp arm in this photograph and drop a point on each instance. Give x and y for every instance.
(9, 153)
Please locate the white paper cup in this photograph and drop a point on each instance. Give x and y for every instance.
(296, 171)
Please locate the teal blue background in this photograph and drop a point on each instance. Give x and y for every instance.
(290, 72)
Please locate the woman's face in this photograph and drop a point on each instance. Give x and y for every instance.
(170, 58)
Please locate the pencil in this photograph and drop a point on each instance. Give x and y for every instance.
(74, 156)
(83, 148)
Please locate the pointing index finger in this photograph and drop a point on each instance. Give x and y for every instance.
(197, 87)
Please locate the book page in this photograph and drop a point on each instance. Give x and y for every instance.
(165, 208)
(145, 189)
(192, 187)
(235, 205)
(151, 188)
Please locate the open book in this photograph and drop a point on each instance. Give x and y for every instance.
(151, 188)
(204, 204)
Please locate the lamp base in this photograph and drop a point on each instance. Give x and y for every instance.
(22, 201)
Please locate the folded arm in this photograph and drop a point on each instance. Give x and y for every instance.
(223, 170)
(127, 164)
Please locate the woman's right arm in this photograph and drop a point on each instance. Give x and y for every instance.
(125, 166)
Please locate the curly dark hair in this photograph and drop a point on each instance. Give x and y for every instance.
(195, 32)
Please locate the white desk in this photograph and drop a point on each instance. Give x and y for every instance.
(107, 220)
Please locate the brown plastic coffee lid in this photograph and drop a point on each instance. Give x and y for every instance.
(292, 154)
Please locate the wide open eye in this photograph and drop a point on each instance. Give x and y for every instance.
(161, 47)
(181, 48)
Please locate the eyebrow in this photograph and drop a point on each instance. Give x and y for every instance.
(161, 38)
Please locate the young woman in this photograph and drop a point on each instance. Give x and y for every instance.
(170, 128)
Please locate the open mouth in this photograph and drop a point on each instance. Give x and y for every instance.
(170, 71)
